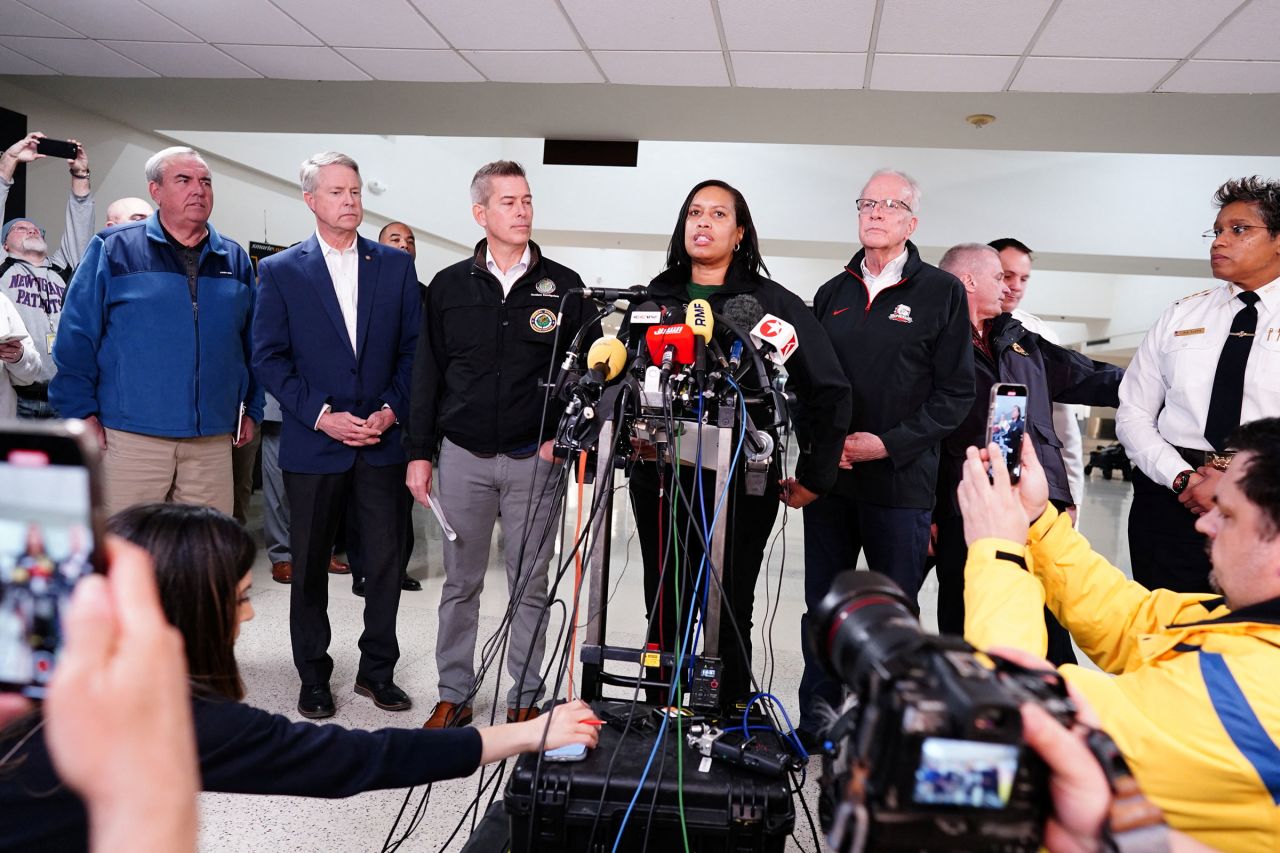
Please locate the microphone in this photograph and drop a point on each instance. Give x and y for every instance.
(613, 294)
(700, 321)
(779, 335)
(605, 360)
(743, 310)
(669, 345)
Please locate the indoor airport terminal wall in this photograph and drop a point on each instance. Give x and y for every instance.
(792, 329)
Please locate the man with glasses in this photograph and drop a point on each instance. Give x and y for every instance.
(1210, 362)
(901, 330)
(34, 278)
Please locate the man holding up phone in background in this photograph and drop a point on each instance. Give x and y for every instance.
(35, 279)
(1004, 352)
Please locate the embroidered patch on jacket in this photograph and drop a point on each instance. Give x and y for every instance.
(546, 287)
(1018, 349)
(901, 314)
(542, 320)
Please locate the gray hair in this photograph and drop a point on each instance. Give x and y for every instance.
(312, 165)
(963, 258)
(913, 189)
(482, 183)
(154, 169)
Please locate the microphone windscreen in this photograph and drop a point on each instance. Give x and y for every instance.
(744, 311)
(679, 336)
(609, 355)
(698, 318)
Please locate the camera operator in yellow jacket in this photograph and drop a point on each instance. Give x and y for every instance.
(1188, 688)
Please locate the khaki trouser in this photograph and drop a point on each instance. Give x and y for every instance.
(149, 469)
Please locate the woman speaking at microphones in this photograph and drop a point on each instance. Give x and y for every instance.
(714, 256)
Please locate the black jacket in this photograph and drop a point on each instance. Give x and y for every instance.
(1052, 374)
(821, 391)
(910, 364)
(242, 750)
(482, 359)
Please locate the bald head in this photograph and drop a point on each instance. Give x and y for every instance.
(127, 210)
(401, 236)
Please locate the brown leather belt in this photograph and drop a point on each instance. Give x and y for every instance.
(1210, 458)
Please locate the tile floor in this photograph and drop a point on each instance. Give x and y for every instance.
(361, 823)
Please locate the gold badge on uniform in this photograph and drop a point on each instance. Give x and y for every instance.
(1019, 350)
(1184, 332)
(542, 321)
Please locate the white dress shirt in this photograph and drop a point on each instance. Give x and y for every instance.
(510, 277)
(889, 276)
(1164, 398)
(1064, 416)
(344, 269)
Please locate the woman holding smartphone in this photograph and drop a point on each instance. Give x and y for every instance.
(202, 561)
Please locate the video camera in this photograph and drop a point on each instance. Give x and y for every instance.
(928, 753)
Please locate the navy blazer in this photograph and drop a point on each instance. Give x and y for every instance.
(303, 356)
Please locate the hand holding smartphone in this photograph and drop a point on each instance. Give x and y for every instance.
(50, 535)
(57, 148)
(1007, 424)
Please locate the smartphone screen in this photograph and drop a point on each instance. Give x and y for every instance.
(56, 148)
(568, 752)
(47, 544)
(1007, 424)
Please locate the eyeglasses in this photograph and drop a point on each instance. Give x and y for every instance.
(1237, 231)
(866, 205)
(24, 228)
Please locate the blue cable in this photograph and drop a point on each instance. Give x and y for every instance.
(791, 735)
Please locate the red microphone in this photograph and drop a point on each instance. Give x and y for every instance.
(670, 344)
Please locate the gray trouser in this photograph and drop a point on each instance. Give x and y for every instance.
(275, 502)
(472, 491)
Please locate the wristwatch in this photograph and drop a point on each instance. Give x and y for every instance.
(1180, 482)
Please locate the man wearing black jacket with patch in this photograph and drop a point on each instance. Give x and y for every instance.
(492, 327)
(1005, 352)
(900, 328)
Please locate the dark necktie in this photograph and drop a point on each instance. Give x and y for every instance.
(1228, 381)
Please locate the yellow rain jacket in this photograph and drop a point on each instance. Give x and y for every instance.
(1190, 689)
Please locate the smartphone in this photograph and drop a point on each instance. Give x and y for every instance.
(57, 148)
(1007, 424)
(50, 538)
(566, 753)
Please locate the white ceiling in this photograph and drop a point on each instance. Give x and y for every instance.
(1051, 46)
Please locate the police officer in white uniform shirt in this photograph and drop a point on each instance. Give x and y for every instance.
(1211, 362)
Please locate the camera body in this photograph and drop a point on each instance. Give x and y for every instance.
(929, 753)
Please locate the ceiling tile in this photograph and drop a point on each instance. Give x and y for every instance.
(424, 66)
(917, 73)
(295, 63)
(182, 59)
(534, 66)
(76, 57)
(983, 27)
(1060, 74)
(501, 24)
(1214, 76)
(658, 68)
(799, 70)
(19, 20)
(374, 23)
(116, 19)
(648, 25)
(1124, 30)
(797, 25)
(1249, 35)
(235, 21)
(16, 63)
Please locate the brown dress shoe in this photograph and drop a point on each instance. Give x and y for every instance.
(337, 567)
(448, 715)
(282, 572)
(519, 715)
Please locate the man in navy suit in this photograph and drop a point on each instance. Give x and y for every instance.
(334, 337)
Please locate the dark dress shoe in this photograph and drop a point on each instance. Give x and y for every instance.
(357, 587)
(315, 702)
(384, 694)
(409, 584)
(282, 571)
(337, 567)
